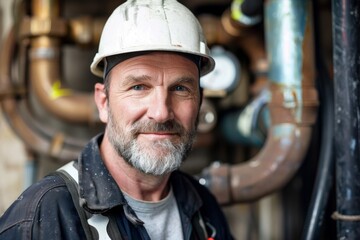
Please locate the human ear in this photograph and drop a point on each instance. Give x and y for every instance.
(101, 101)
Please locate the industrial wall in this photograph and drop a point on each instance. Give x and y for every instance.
(261, 141)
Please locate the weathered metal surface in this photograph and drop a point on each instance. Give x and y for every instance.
(346, 58)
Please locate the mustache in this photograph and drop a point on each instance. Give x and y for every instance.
(149, 126)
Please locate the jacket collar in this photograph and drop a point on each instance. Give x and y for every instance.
(100, 193)
(98, 188)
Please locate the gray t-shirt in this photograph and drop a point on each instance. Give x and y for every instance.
(162, 219)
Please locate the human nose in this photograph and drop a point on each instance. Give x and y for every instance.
(160, 108)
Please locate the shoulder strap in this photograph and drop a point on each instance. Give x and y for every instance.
(99, 222)
(72, 187)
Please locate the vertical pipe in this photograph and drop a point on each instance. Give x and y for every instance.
(45, 10)
(293, 109)
(288, 23)
(346, 59)
(47, 29)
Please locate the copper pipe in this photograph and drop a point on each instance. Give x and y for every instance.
(64, 103)
(45, 8)
(39, 138)
(293, 109)
(45, 73)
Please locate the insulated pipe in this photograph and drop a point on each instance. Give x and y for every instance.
(45, 64)
(346, 59)
(293, 109)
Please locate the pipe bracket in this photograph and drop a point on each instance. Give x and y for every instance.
(33, 27)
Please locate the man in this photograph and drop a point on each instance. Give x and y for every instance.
(125, 184)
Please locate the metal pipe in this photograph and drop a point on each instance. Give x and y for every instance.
(248, 126)
(346, 59)
(47, 141)
(46, 83)
(293, 108)
(45, 73)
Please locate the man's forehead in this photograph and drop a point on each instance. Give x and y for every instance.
(155, 67)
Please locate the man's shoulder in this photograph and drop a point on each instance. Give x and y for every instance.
(49, 193)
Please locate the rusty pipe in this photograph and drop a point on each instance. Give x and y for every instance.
(268, 171)
(293, 109)
(45, 76)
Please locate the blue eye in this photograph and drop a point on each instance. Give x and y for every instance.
(138, 87)
(180, 88)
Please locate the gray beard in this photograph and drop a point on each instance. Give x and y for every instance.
(159, 158)
(147, 161)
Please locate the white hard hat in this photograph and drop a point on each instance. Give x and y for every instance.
(152, 25)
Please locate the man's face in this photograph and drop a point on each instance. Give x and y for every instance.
(152, 108)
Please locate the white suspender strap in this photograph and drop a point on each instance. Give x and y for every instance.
(98, 221)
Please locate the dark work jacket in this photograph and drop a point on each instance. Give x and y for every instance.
(46, 210)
